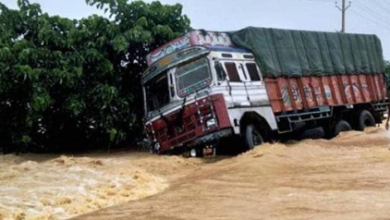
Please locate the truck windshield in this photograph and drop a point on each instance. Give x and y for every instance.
(193, 76)
(157, 92)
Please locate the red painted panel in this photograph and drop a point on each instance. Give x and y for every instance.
(308, 92)
(168, 135)
(364, 88)
(315, 83)
(221, 111)
(274, 95)
(347, 89)
(356, 89)
(339, 95)
(379, 85)
(383, 86)
(377, 88)
(295, 93)
(372, 89)
(329, 95)
(285, 94)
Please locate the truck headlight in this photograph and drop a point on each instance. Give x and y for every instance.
(193, 153)
(211, 123)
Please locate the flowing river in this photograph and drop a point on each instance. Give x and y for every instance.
(344, 178)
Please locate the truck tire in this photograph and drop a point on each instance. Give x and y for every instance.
(340, 126)
(313, 133)
(252, 137)
(365, 119)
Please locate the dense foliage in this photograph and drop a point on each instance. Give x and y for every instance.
(72, 84)
(387, 76)
(387, 66)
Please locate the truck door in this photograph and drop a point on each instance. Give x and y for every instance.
(247, 88)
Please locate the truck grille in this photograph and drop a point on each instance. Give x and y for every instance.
(183, 138)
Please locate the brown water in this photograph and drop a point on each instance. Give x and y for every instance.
(64, 187)
(345, 178)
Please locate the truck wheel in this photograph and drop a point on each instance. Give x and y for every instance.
(365, 119)
(253, 137)
(314, 133)
(341, 126)
(336, 129)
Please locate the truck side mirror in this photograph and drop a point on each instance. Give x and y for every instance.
(221, 74)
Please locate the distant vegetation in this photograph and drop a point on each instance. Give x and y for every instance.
(75, 84)
(387, 65)
(387, 76)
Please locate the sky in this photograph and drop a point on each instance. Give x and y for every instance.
(363, 16)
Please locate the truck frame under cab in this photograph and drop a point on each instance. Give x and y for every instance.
(201, 90)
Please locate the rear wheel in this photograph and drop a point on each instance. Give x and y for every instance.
(340, 126)
(252, 137)
(365, 120)
(313, 133)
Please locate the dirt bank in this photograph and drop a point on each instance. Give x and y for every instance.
(345, 178)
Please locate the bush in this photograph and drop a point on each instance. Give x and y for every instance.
(75, 84)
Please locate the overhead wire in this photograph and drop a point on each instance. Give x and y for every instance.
(381, 5)
(365, 12)
(371, 20)
(372, 12)
(319, 1)
(374, 15)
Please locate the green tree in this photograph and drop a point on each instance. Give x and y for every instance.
(387, 66)
(75, 84)
(387, 76)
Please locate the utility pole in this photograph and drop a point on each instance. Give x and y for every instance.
(343, 9)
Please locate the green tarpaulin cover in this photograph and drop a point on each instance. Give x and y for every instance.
(302, 53)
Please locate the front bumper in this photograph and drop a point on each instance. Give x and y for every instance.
(210, 139)
(206, 141)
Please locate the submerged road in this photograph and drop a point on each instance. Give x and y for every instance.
(344, 178)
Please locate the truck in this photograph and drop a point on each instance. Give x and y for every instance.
(260, 85)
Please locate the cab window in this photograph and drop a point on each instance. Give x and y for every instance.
(232, 72)
(253, 72)
(193, 76)
(157, 93)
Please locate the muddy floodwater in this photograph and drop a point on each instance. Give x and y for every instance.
(344, 178)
